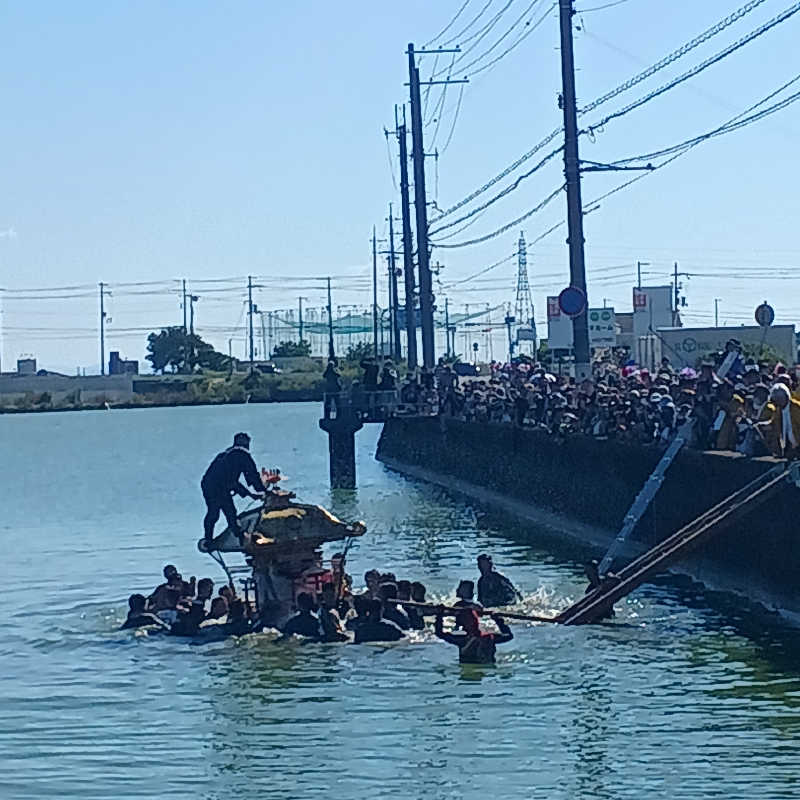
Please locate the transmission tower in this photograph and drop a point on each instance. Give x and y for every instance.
(523, 307)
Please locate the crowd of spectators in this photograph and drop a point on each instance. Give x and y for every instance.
(735, 403)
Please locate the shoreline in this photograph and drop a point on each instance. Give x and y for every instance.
(125, 406)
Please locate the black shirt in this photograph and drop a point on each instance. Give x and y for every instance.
(223, 473)
(304, 623)
(380, 631)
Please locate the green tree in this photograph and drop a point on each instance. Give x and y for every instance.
(172, 349)
(292, 349)
(357, 352)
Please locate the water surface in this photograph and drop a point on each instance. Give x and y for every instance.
(685, 694)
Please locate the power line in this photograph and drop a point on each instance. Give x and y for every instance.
(457, 37)
(449, 25)
(514, 44)
(734, 124)
(478, 36)
(602, 8)
(664, 62)
(767, 26)
(508, 32)
(507, 171)
(552, 196)
(455, 119)
(673, 56)
(510, 188)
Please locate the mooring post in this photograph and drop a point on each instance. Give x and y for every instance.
(341, 431)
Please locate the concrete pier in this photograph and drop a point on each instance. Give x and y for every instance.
(341, 431)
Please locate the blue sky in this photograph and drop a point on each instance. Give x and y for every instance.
(153, 141)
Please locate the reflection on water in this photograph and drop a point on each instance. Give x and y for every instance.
(687, 693)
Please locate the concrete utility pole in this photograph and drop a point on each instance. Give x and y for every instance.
(374, 293)
(408, 259)
(331, 349)
(102, 330)
(572, 172)
(193, 298)
(300, 316)
(393, 299)
(421, 211)
(447, 324)
(250, 315)
(716, 312)
(184, 306)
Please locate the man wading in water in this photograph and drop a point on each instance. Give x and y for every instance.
(221, 481)
(494, 589)
(474, 646)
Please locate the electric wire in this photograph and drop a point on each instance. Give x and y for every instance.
(716, 58)
(476, 18)
(449, 25)
(508, 189)
(549, 199)
(514, 44)
(477, 37)
(455, 120)
(741, 120)
(674, 55)
(509, 31)
(664, 62)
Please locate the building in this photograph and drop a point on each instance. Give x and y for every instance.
(26, 366)
(121, 366)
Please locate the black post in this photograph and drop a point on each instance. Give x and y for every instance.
(408, 259)
(374, 293)
(577, 268)
(331, 349)
(447, 324)
(421, 211)
(102, 330)
(394, 321)
(300, 317)
(184, 306)
(250, 314)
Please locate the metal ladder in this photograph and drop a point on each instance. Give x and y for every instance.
(646, 495)
(596, 604)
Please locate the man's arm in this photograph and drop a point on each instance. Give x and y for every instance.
(251, 474)
(505, 634)
(450, 638)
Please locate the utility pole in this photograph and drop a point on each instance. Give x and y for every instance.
(264, 353)
(408, 259)
(374, 293)
(269, 332)
(193, 298)
(102, 330)
(393, 299)
(447, 324)
(716, 312)
(509, 322)
(421, 211)
(331, 350)
(572, 172)
(300, 316)
(184, 306)
(250, 315)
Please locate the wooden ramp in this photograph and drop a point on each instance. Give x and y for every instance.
(599, 601)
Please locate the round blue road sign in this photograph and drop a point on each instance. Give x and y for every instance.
(572, 301)
(765, 315)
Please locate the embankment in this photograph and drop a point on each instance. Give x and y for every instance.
(582, 488)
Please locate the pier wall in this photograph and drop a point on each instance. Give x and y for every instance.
(583, 487)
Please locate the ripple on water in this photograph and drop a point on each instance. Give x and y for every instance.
(684, 694)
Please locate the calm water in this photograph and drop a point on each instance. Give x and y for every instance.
(684, 695)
